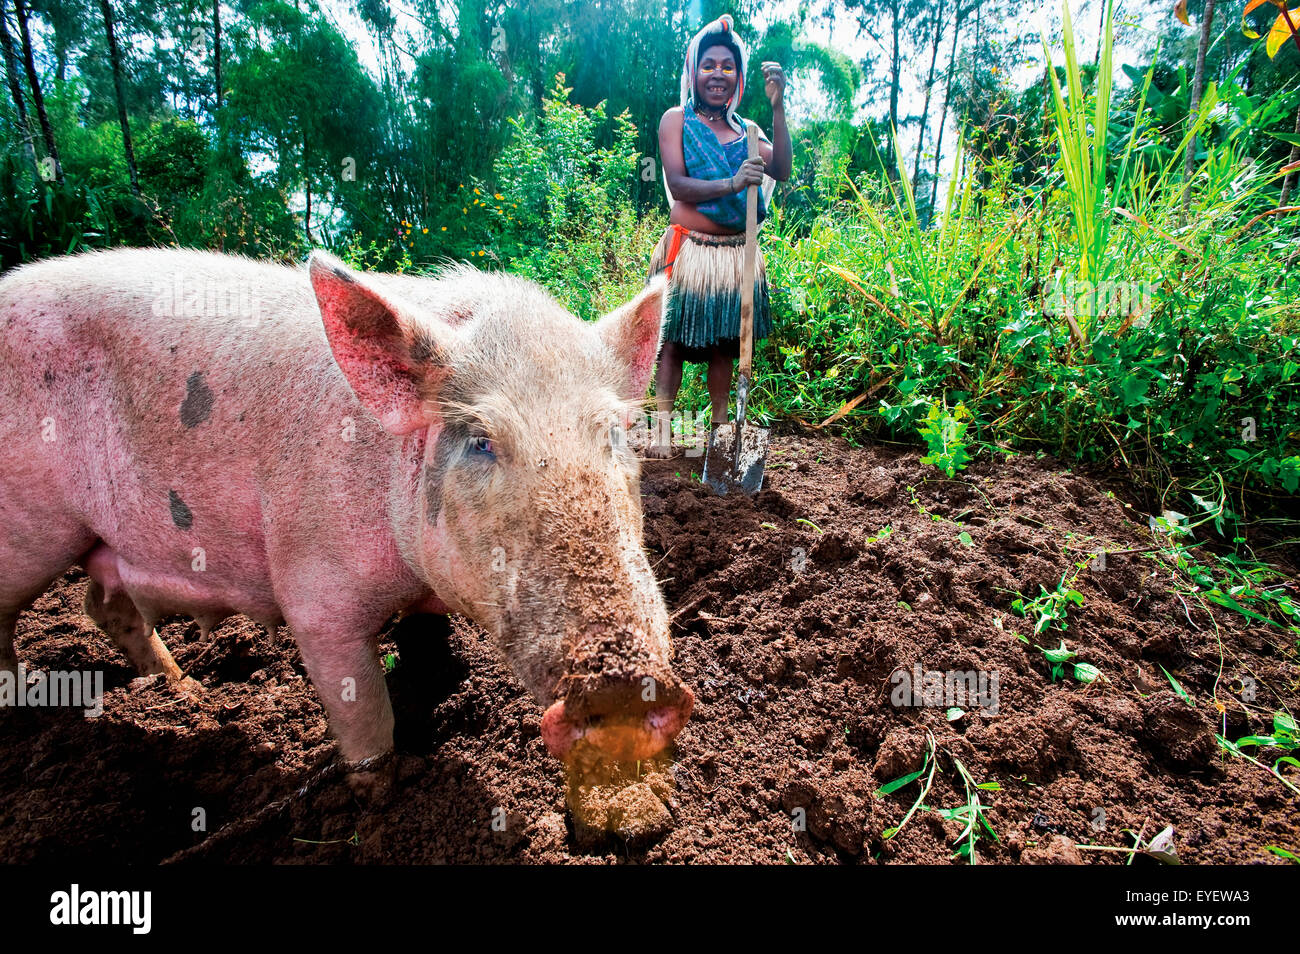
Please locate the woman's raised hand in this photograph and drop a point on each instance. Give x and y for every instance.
(774, 82)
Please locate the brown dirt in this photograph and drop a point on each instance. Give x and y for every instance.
(789, 637)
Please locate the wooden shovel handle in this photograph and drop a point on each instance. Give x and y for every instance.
(751, 262)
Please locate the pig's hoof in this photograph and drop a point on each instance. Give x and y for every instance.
(186, 686)
(663, 451)
(373, 780)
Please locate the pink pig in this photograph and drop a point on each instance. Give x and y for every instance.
(209, 435)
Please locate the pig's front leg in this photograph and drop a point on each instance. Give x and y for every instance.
(343, 664)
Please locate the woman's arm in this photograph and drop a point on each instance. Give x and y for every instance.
(779, 156)
(682, 186)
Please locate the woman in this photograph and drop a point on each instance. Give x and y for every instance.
(703, 150)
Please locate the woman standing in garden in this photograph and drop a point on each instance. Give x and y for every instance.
(703, 150)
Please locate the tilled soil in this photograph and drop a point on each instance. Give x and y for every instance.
(796, 616)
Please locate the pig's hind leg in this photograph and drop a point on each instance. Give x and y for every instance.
(8, 658)
(29, 563)
(108, 604)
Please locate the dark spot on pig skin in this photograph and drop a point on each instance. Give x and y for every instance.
(181, 515)
(49, 376)
(450, 441)
(197, 406)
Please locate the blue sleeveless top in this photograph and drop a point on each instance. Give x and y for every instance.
(706, 158)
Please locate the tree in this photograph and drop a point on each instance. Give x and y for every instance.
(959, 16)
(897, 17)
(115, 58)
(937, 15)
(15, 89)
(34, 84)
(1198, 89)
(216, 49)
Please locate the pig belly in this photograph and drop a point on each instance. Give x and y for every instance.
(158, 592)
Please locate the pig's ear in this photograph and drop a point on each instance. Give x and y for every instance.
(383, 353)
(632, 333)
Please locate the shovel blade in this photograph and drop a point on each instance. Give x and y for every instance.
(725, 470)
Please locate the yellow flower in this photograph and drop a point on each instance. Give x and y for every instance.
(444, 228)
(464, 211)
(424, 231)
(498, 196)
(476, 192)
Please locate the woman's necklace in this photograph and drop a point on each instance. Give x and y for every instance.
(704, 112)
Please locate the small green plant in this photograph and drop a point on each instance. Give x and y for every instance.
(1178, 689)
(1061, 656)
(1284, 736)
(944, 432)
(1050, 608)
(972, 813)
(1245, 586)
(1283, 739)
(931, 763)
(885, 533)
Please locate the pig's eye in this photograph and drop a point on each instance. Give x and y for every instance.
(482, 445)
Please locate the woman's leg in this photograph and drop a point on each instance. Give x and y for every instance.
(668, 381)
(719, 384)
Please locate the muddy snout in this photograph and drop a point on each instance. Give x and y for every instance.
(625, 717)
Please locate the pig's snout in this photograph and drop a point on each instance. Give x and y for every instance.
(625, 719)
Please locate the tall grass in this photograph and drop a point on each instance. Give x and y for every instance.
(1076, 313)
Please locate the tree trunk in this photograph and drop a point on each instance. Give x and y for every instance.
(1198, 88)
(116, 61)
(34, 82)
(943, 115)
(306, 181)
(1293, 157)
(894, 69)
(216, 47)
(16, 90)
(925, 108)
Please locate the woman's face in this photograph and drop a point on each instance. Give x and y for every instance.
(715, 77)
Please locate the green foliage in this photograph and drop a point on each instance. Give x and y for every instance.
(1051, 608)
(944, 433)
(45, 218)
(1284, 739)
(569, 203)
(1177, 360)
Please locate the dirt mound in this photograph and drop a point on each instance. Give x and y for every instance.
(858, 579)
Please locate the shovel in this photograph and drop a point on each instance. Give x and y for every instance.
(737, 452)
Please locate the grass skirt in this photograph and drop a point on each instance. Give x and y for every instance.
(703, 309)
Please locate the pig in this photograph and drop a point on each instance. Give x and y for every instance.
(209, 435)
